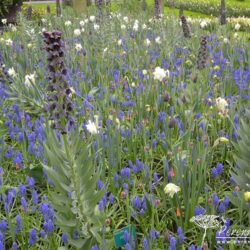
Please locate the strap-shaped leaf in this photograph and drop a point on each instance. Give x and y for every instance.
(74, 195)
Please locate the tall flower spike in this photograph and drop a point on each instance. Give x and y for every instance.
(185, 27)
(59, 104)
(223, 19)
(202, 54)
(157, 9)
(99, 5)
(29, 13)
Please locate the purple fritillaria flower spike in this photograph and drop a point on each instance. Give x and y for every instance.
(185, 27)
(59, 104)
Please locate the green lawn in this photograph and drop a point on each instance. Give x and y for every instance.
(150, 3)
(42, 6)
(167, 10)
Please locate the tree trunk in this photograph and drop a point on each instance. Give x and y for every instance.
(223, 18)
(58, 8)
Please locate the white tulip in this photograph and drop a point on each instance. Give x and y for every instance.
(78, 47)
(159, 74)
(77, 32)
(171, 189)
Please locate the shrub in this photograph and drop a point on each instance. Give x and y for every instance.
(6, 4)
(36, 13)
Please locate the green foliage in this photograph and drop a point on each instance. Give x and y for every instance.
(6, 4)
(37, 13)
(242, 174)
(73, 170)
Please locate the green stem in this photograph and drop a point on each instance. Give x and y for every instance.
(204, 236)
(73, 178)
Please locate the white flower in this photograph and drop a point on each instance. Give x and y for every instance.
(29, 79)
(67, 23)
(92, 128)
(32, 32)
(82, 23)
(158, 40)
(29, 45)
(236, 35)
(43, 20)
(237, 26)
(187, 112)
(147, 42)
(12, 72)
(43, 29)
(136, 26)
(144, 72)
(119, 42)
(78, 47)
(225, 40)
(13, 28)
(144, 26)
(4, 21)
(92, 18)
(220, 140)
(125, 19)
(77, 32)
(171, 189)
(222, 106)
(96, 27)
(159, 74)
(82, 30)
(123, 27)
(105, 50)
(203, 24)
(9, 42)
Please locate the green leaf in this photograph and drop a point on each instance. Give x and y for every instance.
(76, 173)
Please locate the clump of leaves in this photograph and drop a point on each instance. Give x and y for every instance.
(241, 175)
(74, 171)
